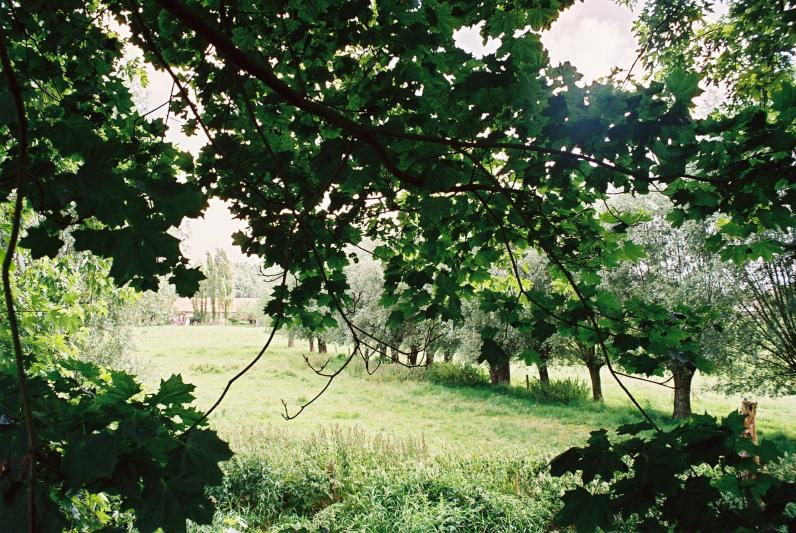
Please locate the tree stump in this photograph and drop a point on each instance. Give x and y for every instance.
(748, 408)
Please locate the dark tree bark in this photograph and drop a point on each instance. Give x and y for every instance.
(413, 355)
(683, 374)
(321, 346)
(395, 357)
(447, 356)
(544, 376)
(312, 344)
(596, 383)
(429, 357)
(500, 372)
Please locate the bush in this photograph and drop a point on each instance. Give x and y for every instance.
(566, 391)
(458, 375)
(347, 481)
(386, 372)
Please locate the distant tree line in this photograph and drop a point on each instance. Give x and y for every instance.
(748, 346)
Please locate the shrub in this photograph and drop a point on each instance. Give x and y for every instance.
(457, 375)
(566, 391)
(386, 372)
(347, 481)
(210, 368)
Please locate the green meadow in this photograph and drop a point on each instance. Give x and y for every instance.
(443, 417)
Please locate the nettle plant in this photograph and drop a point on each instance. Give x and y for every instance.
(330, 123)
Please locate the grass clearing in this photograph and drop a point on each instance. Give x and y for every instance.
(443, 417)
(392, 452)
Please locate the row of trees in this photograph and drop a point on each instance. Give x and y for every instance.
(214, 298)
(224, 281)
(748, 344)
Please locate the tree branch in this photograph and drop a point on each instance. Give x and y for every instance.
(24, 391)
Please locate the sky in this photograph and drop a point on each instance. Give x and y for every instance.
(594, 36)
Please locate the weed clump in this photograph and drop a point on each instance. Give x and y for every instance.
(456, 375)
(345, 480)
(564, 391)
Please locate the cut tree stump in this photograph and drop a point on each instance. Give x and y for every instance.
(748, 409)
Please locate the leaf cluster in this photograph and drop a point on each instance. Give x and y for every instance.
(702, 475)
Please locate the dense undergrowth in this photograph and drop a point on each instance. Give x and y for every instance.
(563, 391)
(345, 480)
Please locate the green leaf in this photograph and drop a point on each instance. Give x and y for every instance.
(88, 458)
(203, 451)
(173, 391)
(584, 510)
(690, 506)
(492, 352)
(41, 242)
(186, 280)
(634, 429)
(683, 84)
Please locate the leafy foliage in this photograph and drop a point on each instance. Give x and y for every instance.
(104, 435)
(701, 475)
(329, 123)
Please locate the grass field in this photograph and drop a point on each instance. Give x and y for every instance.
(443, 418)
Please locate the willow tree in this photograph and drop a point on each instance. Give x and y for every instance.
(770, 310)
(331, 122)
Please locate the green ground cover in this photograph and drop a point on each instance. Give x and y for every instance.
(443, 417)
(393, 452)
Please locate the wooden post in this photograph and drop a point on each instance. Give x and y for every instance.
(749, 410)
(527, 381)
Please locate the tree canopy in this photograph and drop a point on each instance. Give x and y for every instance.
(330, 124)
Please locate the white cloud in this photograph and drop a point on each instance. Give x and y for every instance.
(594, 36)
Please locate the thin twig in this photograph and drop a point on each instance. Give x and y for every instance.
(25, 395)
(274, 329)
(661, 383)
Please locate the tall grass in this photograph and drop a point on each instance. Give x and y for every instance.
(346, 480)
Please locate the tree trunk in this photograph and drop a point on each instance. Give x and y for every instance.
(413, 355)
(321, 346)
(683, 374)
(749, 410)
(544, 377)
(429, 357)
(596, 384)
(291, 339)
(447, 356)
(500, 372)
(312, 344)
(396, 357)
